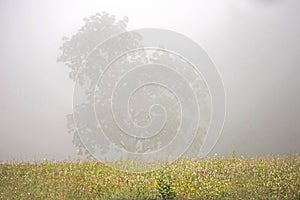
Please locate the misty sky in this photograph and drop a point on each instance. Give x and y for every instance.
(255, 44)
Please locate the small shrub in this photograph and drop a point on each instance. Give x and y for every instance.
(165, 185)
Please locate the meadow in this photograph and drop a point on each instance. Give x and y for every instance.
(210, 178)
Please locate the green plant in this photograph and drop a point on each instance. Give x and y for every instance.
(165, 185)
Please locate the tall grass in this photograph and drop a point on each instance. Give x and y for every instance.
(213, 178)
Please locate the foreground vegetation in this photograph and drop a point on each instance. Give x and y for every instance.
(213, 178)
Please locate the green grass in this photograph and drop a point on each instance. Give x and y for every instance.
(213, 178)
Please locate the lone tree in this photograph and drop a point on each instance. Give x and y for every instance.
(87, 59)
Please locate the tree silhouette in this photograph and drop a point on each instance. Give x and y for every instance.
(87, 54)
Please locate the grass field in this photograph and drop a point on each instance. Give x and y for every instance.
(212, 178)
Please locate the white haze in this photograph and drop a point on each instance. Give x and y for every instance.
(254, 43)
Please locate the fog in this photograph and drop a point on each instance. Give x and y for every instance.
(255, 44)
